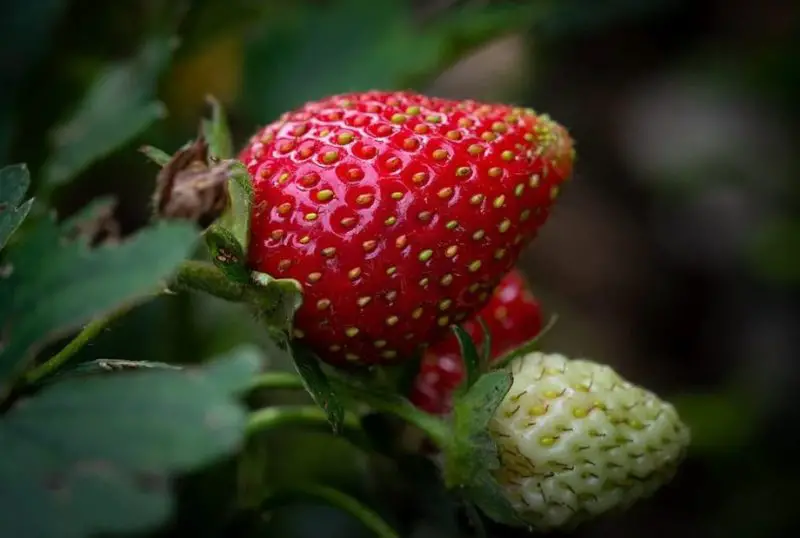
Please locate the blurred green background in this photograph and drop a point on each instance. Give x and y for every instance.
(674, 256)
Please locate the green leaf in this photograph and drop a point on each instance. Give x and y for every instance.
(236, 376)
(472, 454)
(55, 286)
(158, 156)
(118, 106)
(107, 366)
(386, 48)
(217, 133)
(318, 386)
(14, 183)
(95, 455)
(472, 362)
(207, 20)
(357, 392)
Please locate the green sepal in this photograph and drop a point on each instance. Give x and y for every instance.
(487, 495)
(236, 217)
(317, 385)
(486, 348)
(158, 156)
(227, 253)
(275, 299)
(216, 132)
(472, 360)
(528, 347)
(229, 236)
(471, 456)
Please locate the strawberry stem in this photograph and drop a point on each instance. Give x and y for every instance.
(193, 275)
(277, 381)
(306, 416)
(393, 404)
(89, 332)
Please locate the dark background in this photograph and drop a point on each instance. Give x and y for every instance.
(673, 256)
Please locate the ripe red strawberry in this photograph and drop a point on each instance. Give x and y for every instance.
(398, 213)
(512, 317)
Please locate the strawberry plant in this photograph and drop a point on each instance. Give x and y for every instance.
(372, 237)
(532, 440)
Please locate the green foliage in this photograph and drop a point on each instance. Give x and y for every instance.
(97, 447)
(360, 44)
(44, 300)
(95, 454)
(14, 183)
(118, 106)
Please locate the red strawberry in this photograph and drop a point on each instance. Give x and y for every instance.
(398, 213)
(512, 316)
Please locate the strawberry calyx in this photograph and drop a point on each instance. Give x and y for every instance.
(470, 454)
(202, 182)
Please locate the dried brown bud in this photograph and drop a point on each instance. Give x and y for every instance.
(188, 188)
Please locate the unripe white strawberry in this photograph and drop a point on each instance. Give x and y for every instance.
(576, 440)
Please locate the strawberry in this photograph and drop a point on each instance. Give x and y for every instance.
(512, 317)
(397, 213)
(576, 440)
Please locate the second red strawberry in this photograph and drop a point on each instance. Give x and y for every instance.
(513, 316)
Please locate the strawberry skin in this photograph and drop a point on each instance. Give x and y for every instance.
(513, 316)
(576, 440)
(398, 213)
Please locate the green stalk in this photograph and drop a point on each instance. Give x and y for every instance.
(277, 381)
(435, 428)
(190, 275)
(89, 333)
(309, 417)
(313, 492)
